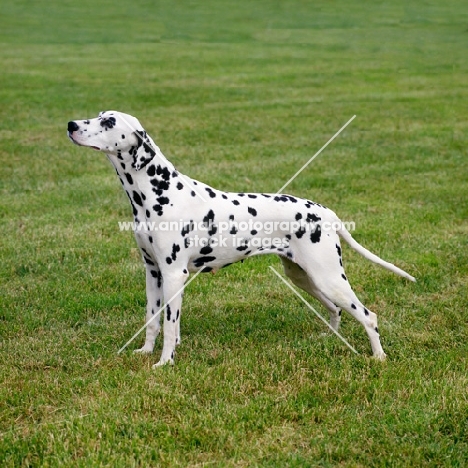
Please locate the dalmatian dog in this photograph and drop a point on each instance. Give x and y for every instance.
(217, 228)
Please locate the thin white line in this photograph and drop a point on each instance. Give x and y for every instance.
(314, 156)
(159, 311)
(189, 185)
(313, 310)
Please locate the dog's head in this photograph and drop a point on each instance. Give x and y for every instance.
(116, 134)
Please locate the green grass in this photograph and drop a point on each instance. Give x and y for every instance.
(239, 95)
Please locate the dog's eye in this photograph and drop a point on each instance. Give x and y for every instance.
(108, 123)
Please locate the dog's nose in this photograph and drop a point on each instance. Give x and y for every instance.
(72, 127)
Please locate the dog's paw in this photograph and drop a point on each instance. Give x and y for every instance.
(162, 362)
(144, 350)
(380, 356)
(166, 358)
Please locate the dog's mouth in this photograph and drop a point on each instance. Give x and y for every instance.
(80, 144)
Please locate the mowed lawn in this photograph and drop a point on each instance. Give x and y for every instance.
(239, 95)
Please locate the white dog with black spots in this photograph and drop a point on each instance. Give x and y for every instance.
(253, 224)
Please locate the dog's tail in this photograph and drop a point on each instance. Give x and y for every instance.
(345, 235)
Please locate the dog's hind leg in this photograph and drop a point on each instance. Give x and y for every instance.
(338, 291)
(324, 269)
(154, 302)
(349, 302)
(299, 277)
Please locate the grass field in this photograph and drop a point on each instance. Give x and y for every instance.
(238, 95)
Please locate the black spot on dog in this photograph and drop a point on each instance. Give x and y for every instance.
(207, 270)
(180, 185)
(298, 216)
(150, 239)
(353, 306)
(241, 194)
(251, 195)
(312, 218)
(210, 191)
(108, 123)
(233, 230)
(163, 185)
(159, 278)
(231, 217)
(158, 209)
(300, 232)
(252, 211)
(148, 214)
(158, 192)
(366, 312)
(137, 198)
(168, 312)
(209, 218)
(175, 249)
(376, 330)
(344, 277)
(168, 260)
(151, 171)
(315, 236)
(285, 198)
(148, 261)
(224, 196)
(206, 250)
(163, 172)
(163, 200)
(213, 230)
(192, 193)
(253, 232)
(235, 202)
(187, 228)
(200, 261)
(242, 248)
(338, 249)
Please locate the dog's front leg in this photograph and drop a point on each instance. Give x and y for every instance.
(173, 286)
(154, 302)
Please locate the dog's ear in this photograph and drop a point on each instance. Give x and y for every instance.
(144, 152)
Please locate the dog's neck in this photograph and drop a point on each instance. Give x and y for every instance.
(148, 186)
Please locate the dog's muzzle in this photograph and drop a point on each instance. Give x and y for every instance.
(73, 127)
